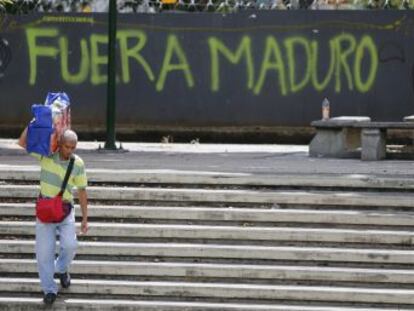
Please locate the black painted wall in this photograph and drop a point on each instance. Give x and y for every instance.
(253, 69)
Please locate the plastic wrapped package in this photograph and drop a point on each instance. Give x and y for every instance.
(40, 130)
(59, 104)
(49, 122)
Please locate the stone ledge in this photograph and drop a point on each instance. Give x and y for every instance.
(340, 121)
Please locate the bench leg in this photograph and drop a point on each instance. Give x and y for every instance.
(336, 143)
(373, 144)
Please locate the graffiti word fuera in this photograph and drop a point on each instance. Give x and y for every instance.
(290, 64)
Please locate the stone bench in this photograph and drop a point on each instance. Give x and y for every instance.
(344, 137)
(337, 137)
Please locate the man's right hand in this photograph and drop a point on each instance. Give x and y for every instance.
(22, 139)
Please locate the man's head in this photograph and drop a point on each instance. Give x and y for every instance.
(68, 142)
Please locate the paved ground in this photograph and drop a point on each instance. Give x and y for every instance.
(255, 159)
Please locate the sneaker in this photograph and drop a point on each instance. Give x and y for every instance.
(64, 279)
(49, 298)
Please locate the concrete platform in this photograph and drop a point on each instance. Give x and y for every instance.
(217, 158)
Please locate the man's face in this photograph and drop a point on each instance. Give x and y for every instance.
(67, 148)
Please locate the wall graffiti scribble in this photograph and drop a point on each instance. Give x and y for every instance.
(391, 51)
(5, 56)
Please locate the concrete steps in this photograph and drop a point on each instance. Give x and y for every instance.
(164, 176)
(230, 252)
(220, 271)
(206, 232)
(25, 304)
(220, 290)
(166, 241)
(265, 196)
(233, 214)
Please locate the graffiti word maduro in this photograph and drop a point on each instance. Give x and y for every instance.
(277, 66)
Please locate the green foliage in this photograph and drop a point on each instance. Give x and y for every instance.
(18, 6)
(221, 6)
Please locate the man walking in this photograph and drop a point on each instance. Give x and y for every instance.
(53, 171)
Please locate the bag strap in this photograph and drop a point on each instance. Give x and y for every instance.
(68, 172)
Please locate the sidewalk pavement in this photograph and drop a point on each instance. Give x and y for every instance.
(216, 158)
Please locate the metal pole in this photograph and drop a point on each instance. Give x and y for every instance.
(111, 85)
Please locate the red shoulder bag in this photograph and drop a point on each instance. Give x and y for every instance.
(52, 210)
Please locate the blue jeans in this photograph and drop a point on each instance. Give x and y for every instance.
(46, 246)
